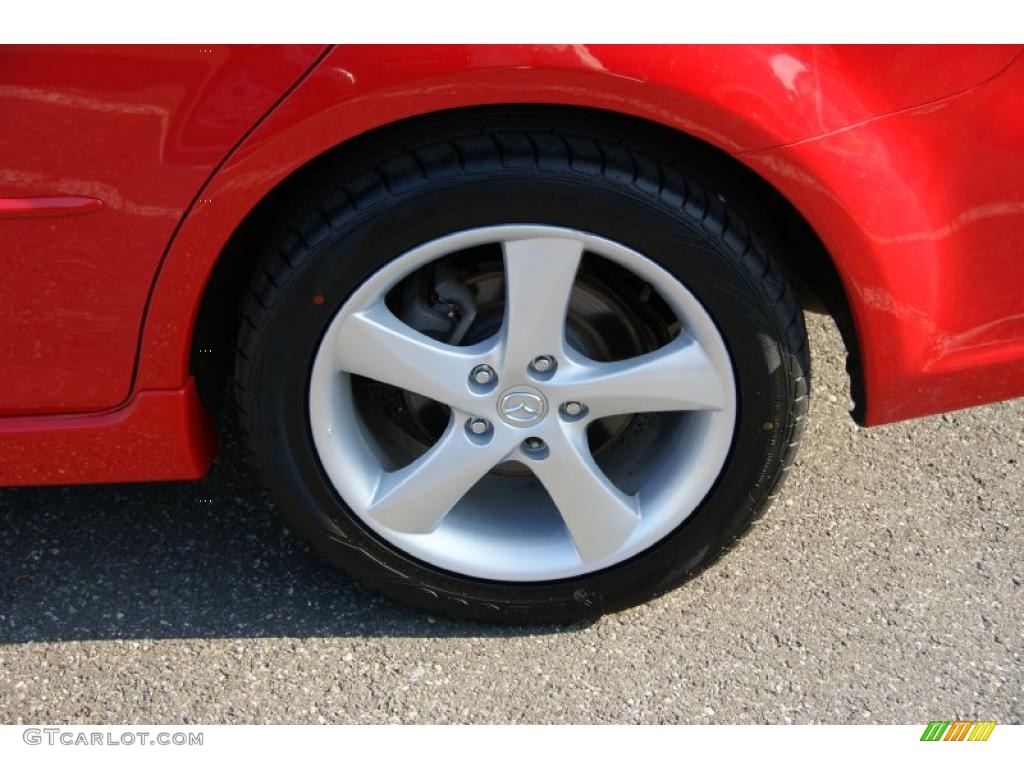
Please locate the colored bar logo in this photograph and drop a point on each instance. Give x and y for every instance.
(958, 730)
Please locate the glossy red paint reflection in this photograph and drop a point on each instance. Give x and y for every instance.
(922, 212)
(907, 162)
(41, 207)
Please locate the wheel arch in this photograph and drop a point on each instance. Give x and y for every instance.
(256, 184)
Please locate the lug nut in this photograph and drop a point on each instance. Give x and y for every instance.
(533, 443)
(483, 374)
(573, 408)
(478, 426)
(543, 364)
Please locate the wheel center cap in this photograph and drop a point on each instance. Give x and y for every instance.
(522, 406)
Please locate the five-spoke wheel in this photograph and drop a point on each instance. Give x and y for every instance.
(524, 394)
(520, 373)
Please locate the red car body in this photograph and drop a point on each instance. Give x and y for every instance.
(125, 171)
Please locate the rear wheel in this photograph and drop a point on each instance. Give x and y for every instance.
(521, 375)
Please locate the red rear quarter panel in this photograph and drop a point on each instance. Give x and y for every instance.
(922, 212)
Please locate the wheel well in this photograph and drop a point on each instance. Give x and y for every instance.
(804, 256)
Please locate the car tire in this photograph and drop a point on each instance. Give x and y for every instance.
(641, 219)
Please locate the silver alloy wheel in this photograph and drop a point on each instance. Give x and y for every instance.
(444, 508)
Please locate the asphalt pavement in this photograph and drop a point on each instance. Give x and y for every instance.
(883, 586)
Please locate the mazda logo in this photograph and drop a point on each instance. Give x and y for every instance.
(522, 406)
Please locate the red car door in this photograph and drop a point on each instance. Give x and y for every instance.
(102, 151)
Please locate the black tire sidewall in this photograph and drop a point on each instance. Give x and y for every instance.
(710, 266)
